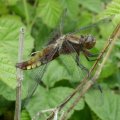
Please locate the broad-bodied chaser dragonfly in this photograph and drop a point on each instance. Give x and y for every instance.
(65, 44)
(61, 45)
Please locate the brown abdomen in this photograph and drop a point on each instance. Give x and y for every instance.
(30, 64)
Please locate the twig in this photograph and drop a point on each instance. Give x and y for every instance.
(85, 85)
(19, 77)
(54, 112)
(89, 84)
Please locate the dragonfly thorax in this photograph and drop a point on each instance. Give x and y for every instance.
(59, 42)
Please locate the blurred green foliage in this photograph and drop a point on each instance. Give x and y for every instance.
(40, 18)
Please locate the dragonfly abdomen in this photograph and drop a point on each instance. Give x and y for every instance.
(32, 63)
(26, 66)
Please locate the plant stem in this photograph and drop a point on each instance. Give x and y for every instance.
(19, 77)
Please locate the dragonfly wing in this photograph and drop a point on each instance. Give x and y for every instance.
(105, 20)
(58, 31)
(36, 77)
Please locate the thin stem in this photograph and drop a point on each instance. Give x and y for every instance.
(35, 4)
(26, 13)
(111, 43)
(42, 113)
(19, 77)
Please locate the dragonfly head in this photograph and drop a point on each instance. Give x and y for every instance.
(89, 42)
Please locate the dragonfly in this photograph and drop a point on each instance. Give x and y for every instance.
(65, 44)
(60, 44)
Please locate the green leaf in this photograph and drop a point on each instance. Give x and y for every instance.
(49, 11)
(3, 8)
(11, 2)
(113, 81)
(41, 33)
(7, 92)
(19, 7)
(72, 7)
(109, 110)
(93, 5)
(117, 43)
(113, 9)
(94, 116)
(5, 104)
(84, 114)
(10, 27)
(25, 115)
(117, 55)
(47, 99)
(108, 69)
(106, 30)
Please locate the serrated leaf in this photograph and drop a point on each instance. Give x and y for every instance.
(18, 10)
(9, 48)
(110, 110)
(46, 99)
(113, 9)
(93, 5)
(49, 11)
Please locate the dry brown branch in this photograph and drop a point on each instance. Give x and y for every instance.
(88, 84)
(85, 85)
(19, 77)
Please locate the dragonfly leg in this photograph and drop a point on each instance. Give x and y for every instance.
(80, 65)
(93, 55)
(90, 59)
(100, 88)
(88, 54)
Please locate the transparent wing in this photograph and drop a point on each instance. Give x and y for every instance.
(105, 20)
(36, 76)
(35, 79)
(58, 31)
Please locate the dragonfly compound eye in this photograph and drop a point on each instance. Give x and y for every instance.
(90, 42)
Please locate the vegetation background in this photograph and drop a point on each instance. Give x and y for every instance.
(40, 18)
